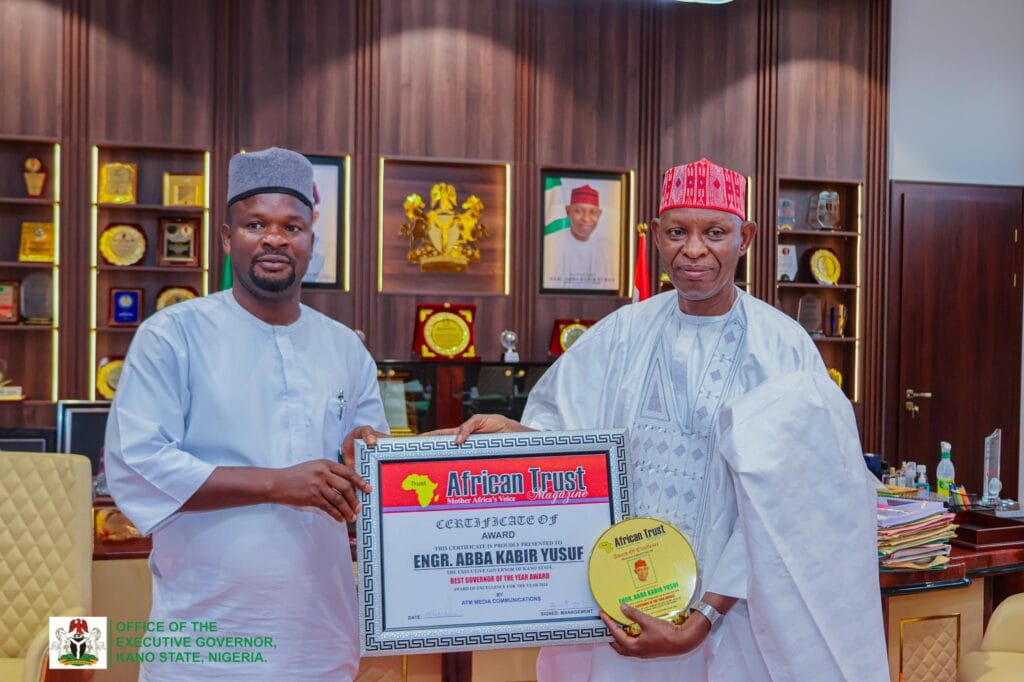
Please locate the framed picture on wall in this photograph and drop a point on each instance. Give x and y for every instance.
(328, 266)
(585, 245)
(443, 227)
(82, 428)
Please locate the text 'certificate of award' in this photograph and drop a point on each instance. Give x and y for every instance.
(485, 545)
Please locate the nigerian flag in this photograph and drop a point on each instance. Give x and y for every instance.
(554, 205)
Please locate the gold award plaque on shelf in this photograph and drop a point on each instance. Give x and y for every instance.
(36, 243)
(183, 189)
(445, 332)
(9, 302)
(107, 375)
(123, 244)
(118, 183)
(825, 266)
(565, 332)
(35, 177)
(171, 295)
(645, 563)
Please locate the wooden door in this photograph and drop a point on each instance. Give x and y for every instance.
(956, 261)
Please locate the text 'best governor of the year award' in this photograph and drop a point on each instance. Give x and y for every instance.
(486, 544)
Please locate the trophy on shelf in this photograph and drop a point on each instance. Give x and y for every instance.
(37, 298)
(509, 339)
(993, 484)
(837, 316)
(823, 210)
(35, 177)
(9, 301)
(809, 314)
(786, 265)
(7, 390)
(785, 214)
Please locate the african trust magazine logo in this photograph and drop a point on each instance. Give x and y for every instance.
(78, 642)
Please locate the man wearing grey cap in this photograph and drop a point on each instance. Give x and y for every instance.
(223, 442)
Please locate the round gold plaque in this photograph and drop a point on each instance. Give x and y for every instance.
(123, 244)
(446, 334)
(645, 563)
(171, 295)
(569, 335)
(107, 376)
(825, 266)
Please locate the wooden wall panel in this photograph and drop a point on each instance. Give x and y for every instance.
(447, 78)
(296, 88)
(709, 85)
(588, 84)
(30, 79)
(822, 89)
(151, 72)
(296, 78)
(588, 117)
(447, 89)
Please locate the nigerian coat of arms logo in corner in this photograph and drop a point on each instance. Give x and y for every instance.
(78, 642)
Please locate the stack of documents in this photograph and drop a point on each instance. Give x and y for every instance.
(913, 534)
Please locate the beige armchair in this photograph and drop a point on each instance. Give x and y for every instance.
(45, 554)
(1001, 656)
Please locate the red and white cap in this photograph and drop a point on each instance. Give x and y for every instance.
(703, 184)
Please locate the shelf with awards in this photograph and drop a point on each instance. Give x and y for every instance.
(818, 269)
(150, 230)
(29, 269)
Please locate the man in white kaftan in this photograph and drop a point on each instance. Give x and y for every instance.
(673, 370)
(223, 442)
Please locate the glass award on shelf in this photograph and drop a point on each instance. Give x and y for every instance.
(647, 564)
(509, 339)
(823, 210)
(35, 177)
(785, 215)
(993, 484)
(809, 314)
(37, 298)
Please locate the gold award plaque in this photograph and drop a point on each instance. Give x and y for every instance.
(446, 334)
(118, 182)
(36, 243)
(183, 189)
(171, 295)
(123, 244)
(107, 376)
(570, 333)
(825, 266)
(645, 563)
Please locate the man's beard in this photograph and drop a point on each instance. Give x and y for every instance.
(269, 284)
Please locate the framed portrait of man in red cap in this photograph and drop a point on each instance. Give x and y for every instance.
(585, 225)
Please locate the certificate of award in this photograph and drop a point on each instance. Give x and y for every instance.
(485, 545)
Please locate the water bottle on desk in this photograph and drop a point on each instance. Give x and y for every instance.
(945, 474)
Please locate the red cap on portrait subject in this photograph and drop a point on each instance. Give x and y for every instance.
(584, 195)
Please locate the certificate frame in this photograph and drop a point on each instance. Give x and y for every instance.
(377, 637)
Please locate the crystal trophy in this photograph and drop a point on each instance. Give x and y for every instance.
(993, 486)
(823, 210)
(509, 339)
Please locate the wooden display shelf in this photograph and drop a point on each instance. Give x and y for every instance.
(116, 330)
(834, 339)
(808, 285)
(24, 265)
(27, 327)
(27, 201)
(818, 233)
(189, 210)
(149, 268)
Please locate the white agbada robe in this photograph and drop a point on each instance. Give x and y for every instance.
(207, 384)
(573, 264)
(667, 376)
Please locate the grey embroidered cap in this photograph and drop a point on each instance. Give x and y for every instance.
(270, 171)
